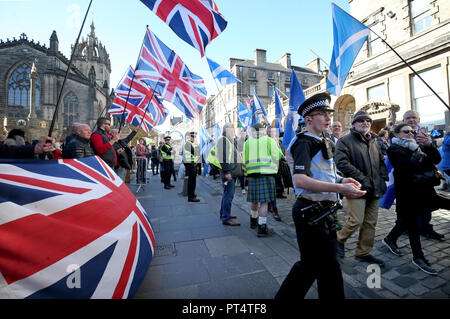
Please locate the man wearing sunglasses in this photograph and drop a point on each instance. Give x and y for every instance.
(358, 156)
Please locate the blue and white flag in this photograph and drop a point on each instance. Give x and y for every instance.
(221, 74)
(279, 114)
(204, 141)
(244, 115)
(218, 132)
(389, 197)
(258, 111)
(297, 97)
(349, 36)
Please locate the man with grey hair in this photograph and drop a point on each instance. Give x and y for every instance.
(336, 131)
(412, 118)
(229, 159)
(358, 156)
(78, 146)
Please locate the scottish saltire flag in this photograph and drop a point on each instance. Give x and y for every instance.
(204, 141)
(197, 22)
(279, 114)
(218, 132)
(258, 111)
(164, 71)
(349, 36)
(389, 197)
(244, 115)
(221, 74)
(70, 229)
(143, 108)
(297, 97)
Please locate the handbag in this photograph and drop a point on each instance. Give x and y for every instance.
(431, 178)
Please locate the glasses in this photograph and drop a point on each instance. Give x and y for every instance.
(363, 120)
(407, 131)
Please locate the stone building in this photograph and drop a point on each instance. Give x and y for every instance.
(258, 77)
(29, 102)
(380, 82)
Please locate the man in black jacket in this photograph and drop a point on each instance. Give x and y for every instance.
(358, 156)
(124, 155)
(79, 146)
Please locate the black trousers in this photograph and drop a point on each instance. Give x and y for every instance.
(191, 173)
(412, 223)
(319, 262)
(167, 171)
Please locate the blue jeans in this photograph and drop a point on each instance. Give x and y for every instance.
(227, 199)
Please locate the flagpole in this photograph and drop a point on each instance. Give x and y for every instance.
(55, 114)
(401, 58)
(131, 85)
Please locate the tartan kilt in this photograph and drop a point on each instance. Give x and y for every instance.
(261, 189)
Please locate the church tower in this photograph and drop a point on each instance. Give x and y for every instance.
(92, 54)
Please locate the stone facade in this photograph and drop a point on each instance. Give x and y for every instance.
(380, 82)
(262, 78)
(85, 94)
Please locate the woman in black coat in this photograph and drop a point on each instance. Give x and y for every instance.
(414, 190)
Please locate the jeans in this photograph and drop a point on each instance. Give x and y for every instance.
(227, 199)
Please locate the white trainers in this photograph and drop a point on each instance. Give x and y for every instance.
(244, 192)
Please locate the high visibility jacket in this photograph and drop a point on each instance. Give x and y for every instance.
(190, 153)
(212, 159)
(261, 156)
(165, 149)
(213, 156)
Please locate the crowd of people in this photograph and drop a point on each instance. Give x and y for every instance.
(323, 165)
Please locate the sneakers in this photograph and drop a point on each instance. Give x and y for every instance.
(253, 222)
(392, 246)
(424, 265)
(340, 249)
(264, 231)
(244, 192)
(194, 200)
(370, 259)
(434, 235)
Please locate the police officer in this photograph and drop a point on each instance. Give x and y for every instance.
(315, 180)
(191, 156)
(168, 155)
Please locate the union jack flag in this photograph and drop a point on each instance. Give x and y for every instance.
(164, 71)
(70, 229)
(140, 98)
(197, 22)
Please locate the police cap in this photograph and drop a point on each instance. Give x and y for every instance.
(318, 102)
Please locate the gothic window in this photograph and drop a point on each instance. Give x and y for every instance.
(19, 87)
(71, 110)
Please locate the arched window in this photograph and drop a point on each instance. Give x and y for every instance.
(71, 110)
(19, 87)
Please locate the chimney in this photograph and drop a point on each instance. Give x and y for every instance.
(314, 65)
(260, 56)
(285, 60)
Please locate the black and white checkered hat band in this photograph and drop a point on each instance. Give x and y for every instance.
(314, 105)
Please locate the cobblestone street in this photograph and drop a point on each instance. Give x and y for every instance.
(399, 278)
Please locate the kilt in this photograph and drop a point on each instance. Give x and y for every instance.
(261, 189)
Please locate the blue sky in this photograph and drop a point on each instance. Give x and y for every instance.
(293, 26)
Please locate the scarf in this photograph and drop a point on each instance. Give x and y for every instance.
(406, 143)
